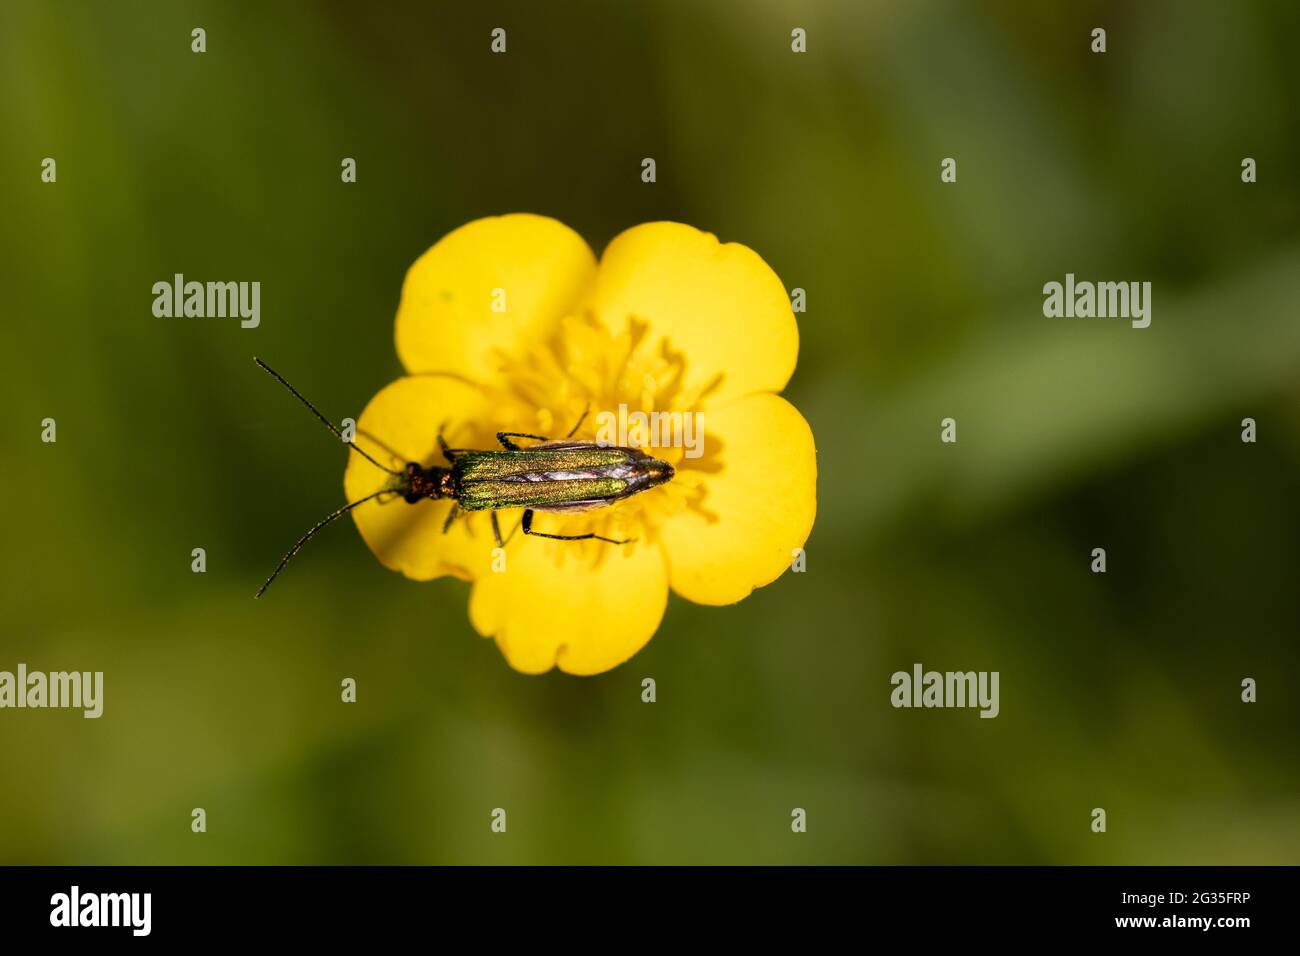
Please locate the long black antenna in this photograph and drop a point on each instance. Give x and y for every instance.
(328, 424)
(312, 533)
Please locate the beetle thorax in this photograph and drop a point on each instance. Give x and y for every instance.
(419, 482)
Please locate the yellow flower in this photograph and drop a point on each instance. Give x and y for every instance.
(509, 324)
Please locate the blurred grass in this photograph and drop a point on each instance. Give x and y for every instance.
(924, 302)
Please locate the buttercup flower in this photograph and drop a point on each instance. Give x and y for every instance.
(510, 324)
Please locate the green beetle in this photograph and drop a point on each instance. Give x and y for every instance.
(558, 476)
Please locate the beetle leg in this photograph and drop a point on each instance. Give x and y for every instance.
(447, 453)
(502, 542)
(527, 525)
(396, 456)
(452, 515)
(508, 445)
(575, 428)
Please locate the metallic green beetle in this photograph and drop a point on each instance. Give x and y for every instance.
(558, 476)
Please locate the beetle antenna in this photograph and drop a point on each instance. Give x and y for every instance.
(312, 533)
(328, 424)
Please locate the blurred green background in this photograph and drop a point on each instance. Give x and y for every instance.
(1119, 691)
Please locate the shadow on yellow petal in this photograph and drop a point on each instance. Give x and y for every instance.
(719, 304)
(758, 507)
(401, 423)
(580, 616)
(493, 286)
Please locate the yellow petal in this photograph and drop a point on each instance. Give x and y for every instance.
(719, 304)
(558, 608)
(406, 417)
(759, 470)
(530, 268)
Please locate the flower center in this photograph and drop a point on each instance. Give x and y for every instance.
(616, 389)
